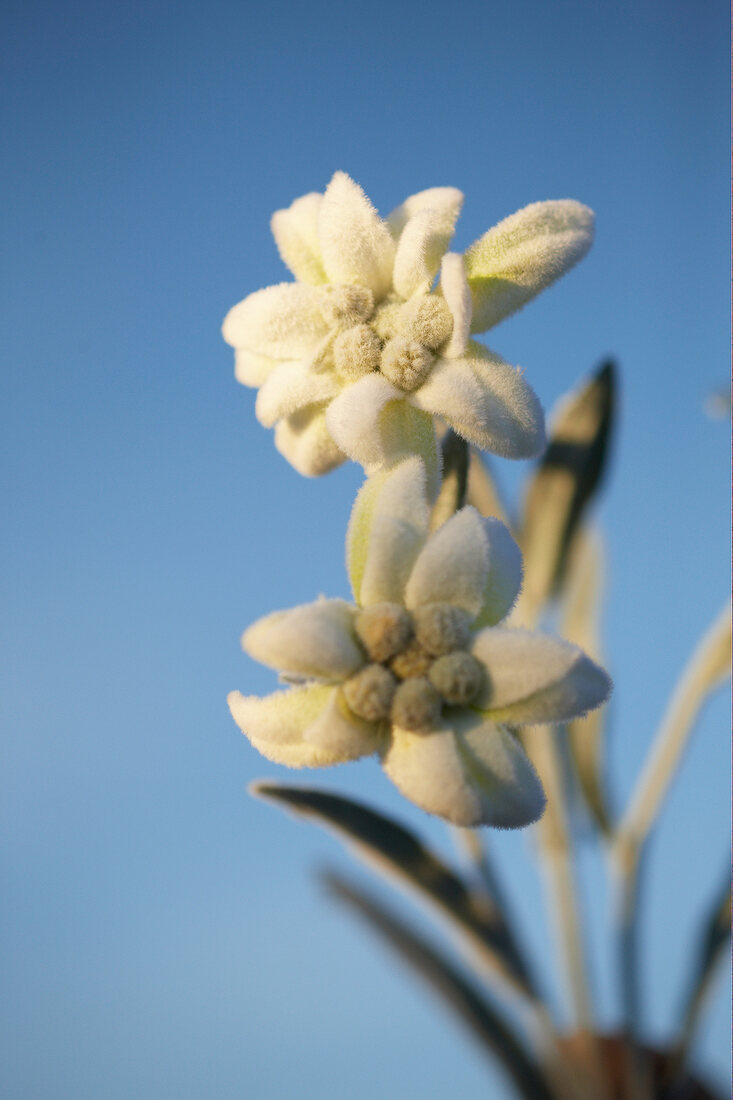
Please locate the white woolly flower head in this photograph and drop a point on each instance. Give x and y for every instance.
(418, 669)
(359, 355)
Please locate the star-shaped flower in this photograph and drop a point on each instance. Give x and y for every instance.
(417, 670)
(359, 355)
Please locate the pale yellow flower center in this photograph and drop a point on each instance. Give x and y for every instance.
(416, 705)
(356, 351)
(398, 338)
(370, 692)
(348, 305)
(418, 665)
(384, 629)
(441, 628)
(412, 661)
(406, 362)
(456, 676)
(428, 320)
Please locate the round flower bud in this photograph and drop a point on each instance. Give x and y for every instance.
(412, 661)
(370, 692)
(416, 705)
(441, 627)
(356, 351)
(406, 362)
(384, 630)
(429, 321)
(456, 676)
(348, 305)
(386, 319)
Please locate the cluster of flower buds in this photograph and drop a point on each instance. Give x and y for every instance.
(357, 359)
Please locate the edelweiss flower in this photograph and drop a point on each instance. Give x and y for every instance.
(357, 357)
(418, 671)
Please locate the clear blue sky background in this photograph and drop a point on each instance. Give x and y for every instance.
(163, 935)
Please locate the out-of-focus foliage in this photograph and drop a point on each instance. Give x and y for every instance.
(580, 610)
(567, 477)
(461, 996)
(392, 849)
(563, 581)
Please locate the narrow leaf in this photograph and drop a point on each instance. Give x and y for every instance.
(567, 478)
(470, 1005)
(393, 850)
(477, 849)
(483, 492)
(707, 669)
(452, 494)
(580, 601)
(712, 943)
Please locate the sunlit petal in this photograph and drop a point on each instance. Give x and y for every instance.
(535, 678)
(523, 254)
(504, 578)
(283, 321)
(469, 771)
(315, 640)
(354, 418)
(275, 724)
(340, 733)
(305, 441)
(290, 387)
(296, 234)
(487, 402)
(356, 246)
(446, 200)
(421, 246)
(453, 565)
(388, 526)
(457, 293)
(252, 369)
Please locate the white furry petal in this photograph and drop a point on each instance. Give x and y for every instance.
(354, 418)
(533, 678)
(276, 723)
(252, 369)
(356, 246)
(523, 254)
(289, 387)
(388, 526)
(421, 246)
(469, 771)
(315, 640)
(296, 235)
(452, 566)
(283, 321)
(305, 441)
(457, 293)
(446, 200)
(504, 577)
(340, 733)
(487, 402)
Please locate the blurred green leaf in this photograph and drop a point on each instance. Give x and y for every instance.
(708, 668)
(452, 495)
(586, 740)
(568, 476)
(483, 492)
(461, 996)
(393, 850)
(580, 606)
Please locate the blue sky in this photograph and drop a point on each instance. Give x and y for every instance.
(164, 934)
